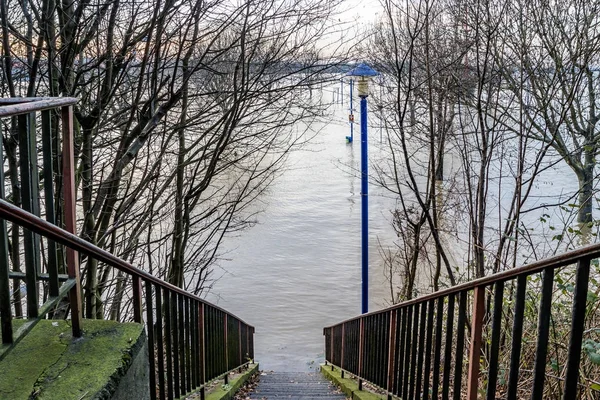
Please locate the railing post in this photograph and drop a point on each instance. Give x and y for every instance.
(70, 216)
(475, 350)
(331, 350)
(577, 327)
(391, 353)
(137, 299)
(252, 342)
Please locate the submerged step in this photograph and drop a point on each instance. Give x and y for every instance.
(295, 385)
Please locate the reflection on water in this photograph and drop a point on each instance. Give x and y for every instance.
(298, 270)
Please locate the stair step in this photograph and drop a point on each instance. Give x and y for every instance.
(295, 385)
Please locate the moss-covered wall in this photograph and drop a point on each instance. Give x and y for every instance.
(49, 364)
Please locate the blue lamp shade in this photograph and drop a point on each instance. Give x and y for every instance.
(363, 74)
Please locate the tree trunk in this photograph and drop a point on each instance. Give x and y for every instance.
(586, 189)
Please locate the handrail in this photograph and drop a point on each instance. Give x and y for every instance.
(591, 251)
(15, 214)
(187, 328)
(190, 341)
(16, 106)
(420, 346)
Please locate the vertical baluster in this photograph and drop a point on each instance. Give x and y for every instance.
(31, 245)
(193, 307)
(542, 334)
(401, 352)
(188, 361)
(517, 336)
(367, 348)
(70, 217)
(150, 331)
(353, 351)
(397, 351)
(577, 327)
(495, 345)
(391, 352)
(201, 329)
(448, 347)
(160, 343)
(373, 340)
(407, 351)
(438, 348)
(428, 347)
(252, 342)
(169, 341)
(52, 260)
(361, 350)
(226, 339)
(327, 333)
(460, 344)
(387, 328)
(175, 332)
(342, 365)
(5, 298)
(381, 363)
(211, 344)
(421, 351)
(476, 339)
(413, 358)
(181, 342)
(240, 353)
(137, 298)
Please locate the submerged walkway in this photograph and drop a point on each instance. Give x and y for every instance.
(295, 385)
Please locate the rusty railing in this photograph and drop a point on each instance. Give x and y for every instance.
(190, 340)
(528, 332)
(57, 276)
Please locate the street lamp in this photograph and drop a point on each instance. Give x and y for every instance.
(363, 74)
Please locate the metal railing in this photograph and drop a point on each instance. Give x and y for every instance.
(515, 334)
(19, 117)
(190, 341)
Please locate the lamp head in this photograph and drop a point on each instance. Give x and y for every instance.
(363, 74)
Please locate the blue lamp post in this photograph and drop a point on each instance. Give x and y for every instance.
(363, 74)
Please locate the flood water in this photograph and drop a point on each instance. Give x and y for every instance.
(299, 268)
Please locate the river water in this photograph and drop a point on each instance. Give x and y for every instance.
(299, 268)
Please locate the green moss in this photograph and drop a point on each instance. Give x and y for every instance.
(49, 364)
(226, 392)
(348, 386)
(36, 352)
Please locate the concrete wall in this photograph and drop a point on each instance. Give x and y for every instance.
(135, 383)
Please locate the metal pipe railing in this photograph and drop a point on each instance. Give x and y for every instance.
(190, 340)
(434, 346)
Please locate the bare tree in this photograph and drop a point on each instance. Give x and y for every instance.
(557, 54)
(184, 118)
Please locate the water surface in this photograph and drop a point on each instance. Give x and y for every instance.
(299, 268)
